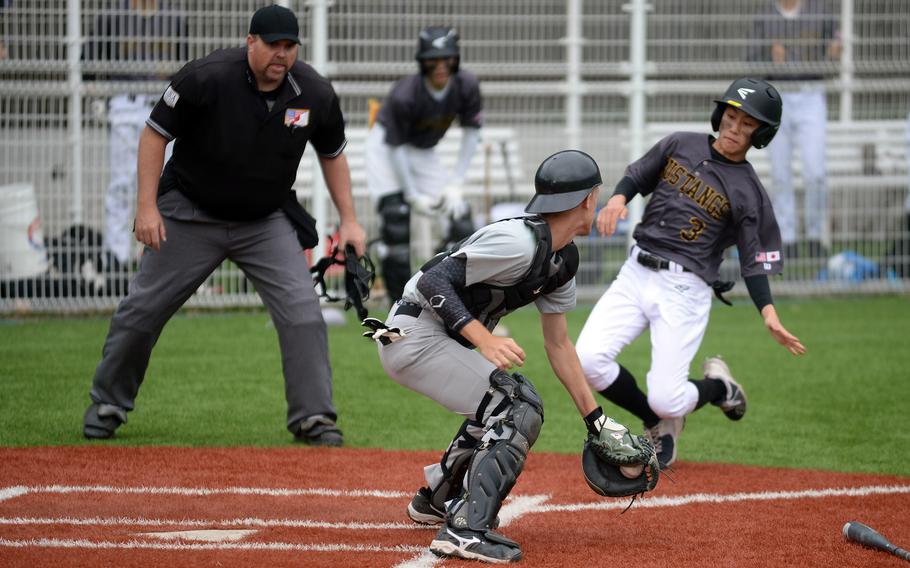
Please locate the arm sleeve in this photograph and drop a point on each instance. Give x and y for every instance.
(329, 139)
(627, 188)
(439, 284)
(470, 137)
(759, 290)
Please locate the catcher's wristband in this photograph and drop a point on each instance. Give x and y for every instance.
(595, 421)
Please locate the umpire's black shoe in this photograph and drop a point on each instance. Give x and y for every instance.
(319, 430)
(102, 420)
(487, 546)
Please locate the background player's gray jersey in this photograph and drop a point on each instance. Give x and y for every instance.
(702, 203)
(501, 254)
(411, 115)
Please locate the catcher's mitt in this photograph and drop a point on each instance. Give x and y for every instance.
(606, 456)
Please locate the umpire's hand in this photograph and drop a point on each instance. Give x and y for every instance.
(149, 226)
(351, 233)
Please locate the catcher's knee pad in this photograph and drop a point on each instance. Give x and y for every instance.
(395, 214)
(526, 413)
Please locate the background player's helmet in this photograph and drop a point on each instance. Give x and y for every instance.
(437, 42)
(760, 100)
(563, 181)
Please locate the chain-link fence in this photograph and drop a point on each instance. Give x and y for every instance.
(610, 77)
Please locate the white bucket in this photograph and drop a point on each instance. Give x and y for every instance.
(22, 252)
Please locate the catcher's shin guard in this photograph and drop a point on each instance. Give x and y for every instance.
(454, 464)
(498, 461)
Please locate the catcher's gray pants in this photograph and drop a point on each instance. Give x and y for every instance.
(269, 254)
(430, 362)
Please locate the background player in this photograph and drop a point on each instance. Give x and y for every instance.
(705, 197)
(454, 302)
(404, 173)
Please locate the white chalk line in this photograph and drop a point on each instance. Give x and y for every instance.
(658, 502)
(523, 505)
(138, 544)
(12, 492)
(513, 509)
(204, 492)
(239, 522)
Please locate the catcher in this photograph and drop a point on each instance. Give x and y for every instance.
(438, 342)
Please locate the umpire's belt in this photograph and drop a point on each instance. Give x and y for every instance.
(405, 308)
(655, 262)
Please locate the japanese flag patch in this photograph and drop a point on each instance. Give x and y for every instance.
(296, 117)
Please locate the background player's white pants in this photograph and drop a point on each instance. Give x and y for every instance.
(429, 174)
(675, 305)
(803, 125)
(126, 115)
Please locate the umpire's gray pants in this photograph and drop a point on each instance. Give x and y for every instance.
(430, 362)
(270, 256)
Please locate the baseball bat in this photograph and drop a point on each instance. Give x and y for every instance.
(866, 536)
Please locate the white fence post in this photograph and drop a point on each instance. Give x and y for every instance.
(637, 69)
(74, 68)
(319, 38)
(574, 87)
(847, 64)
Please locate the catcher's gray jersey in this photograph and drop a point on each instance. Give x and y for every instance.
(501, 254)
(701, 204)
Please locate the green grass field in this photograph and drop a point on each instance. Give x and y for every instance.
(215, 380)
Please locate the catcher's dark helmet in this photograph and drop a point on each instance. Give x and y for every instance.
(562, 181)
(437, 42)
(760, 100)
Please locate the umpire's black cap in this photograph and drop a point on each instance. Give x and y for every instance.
(563, 181)
(274, 23)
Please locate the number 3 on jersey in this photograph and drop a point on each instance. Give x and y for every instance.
(692, 233)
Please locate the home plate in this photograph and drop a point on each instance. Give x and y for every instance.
(211, 535)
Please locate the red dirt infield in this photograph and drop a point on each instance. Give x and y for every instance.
(114, 506)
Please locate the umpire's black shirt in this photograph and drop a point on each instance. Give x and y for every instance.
(233, 156)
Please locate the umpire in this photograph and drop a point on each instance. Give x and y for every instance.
(240, 119)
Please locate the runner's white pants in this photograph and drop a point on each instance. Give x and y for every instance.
(675, 306)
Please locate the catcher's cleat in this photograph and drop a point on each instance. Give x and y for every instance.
(486, 546)
(319, 430)
(663, 436)
(102, 420)
(422, 511)
(734, 403)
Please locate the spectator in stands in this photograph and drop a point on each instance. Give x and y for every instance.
(128, 46)
(241, 119)
(798, 37)
(404, 174)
